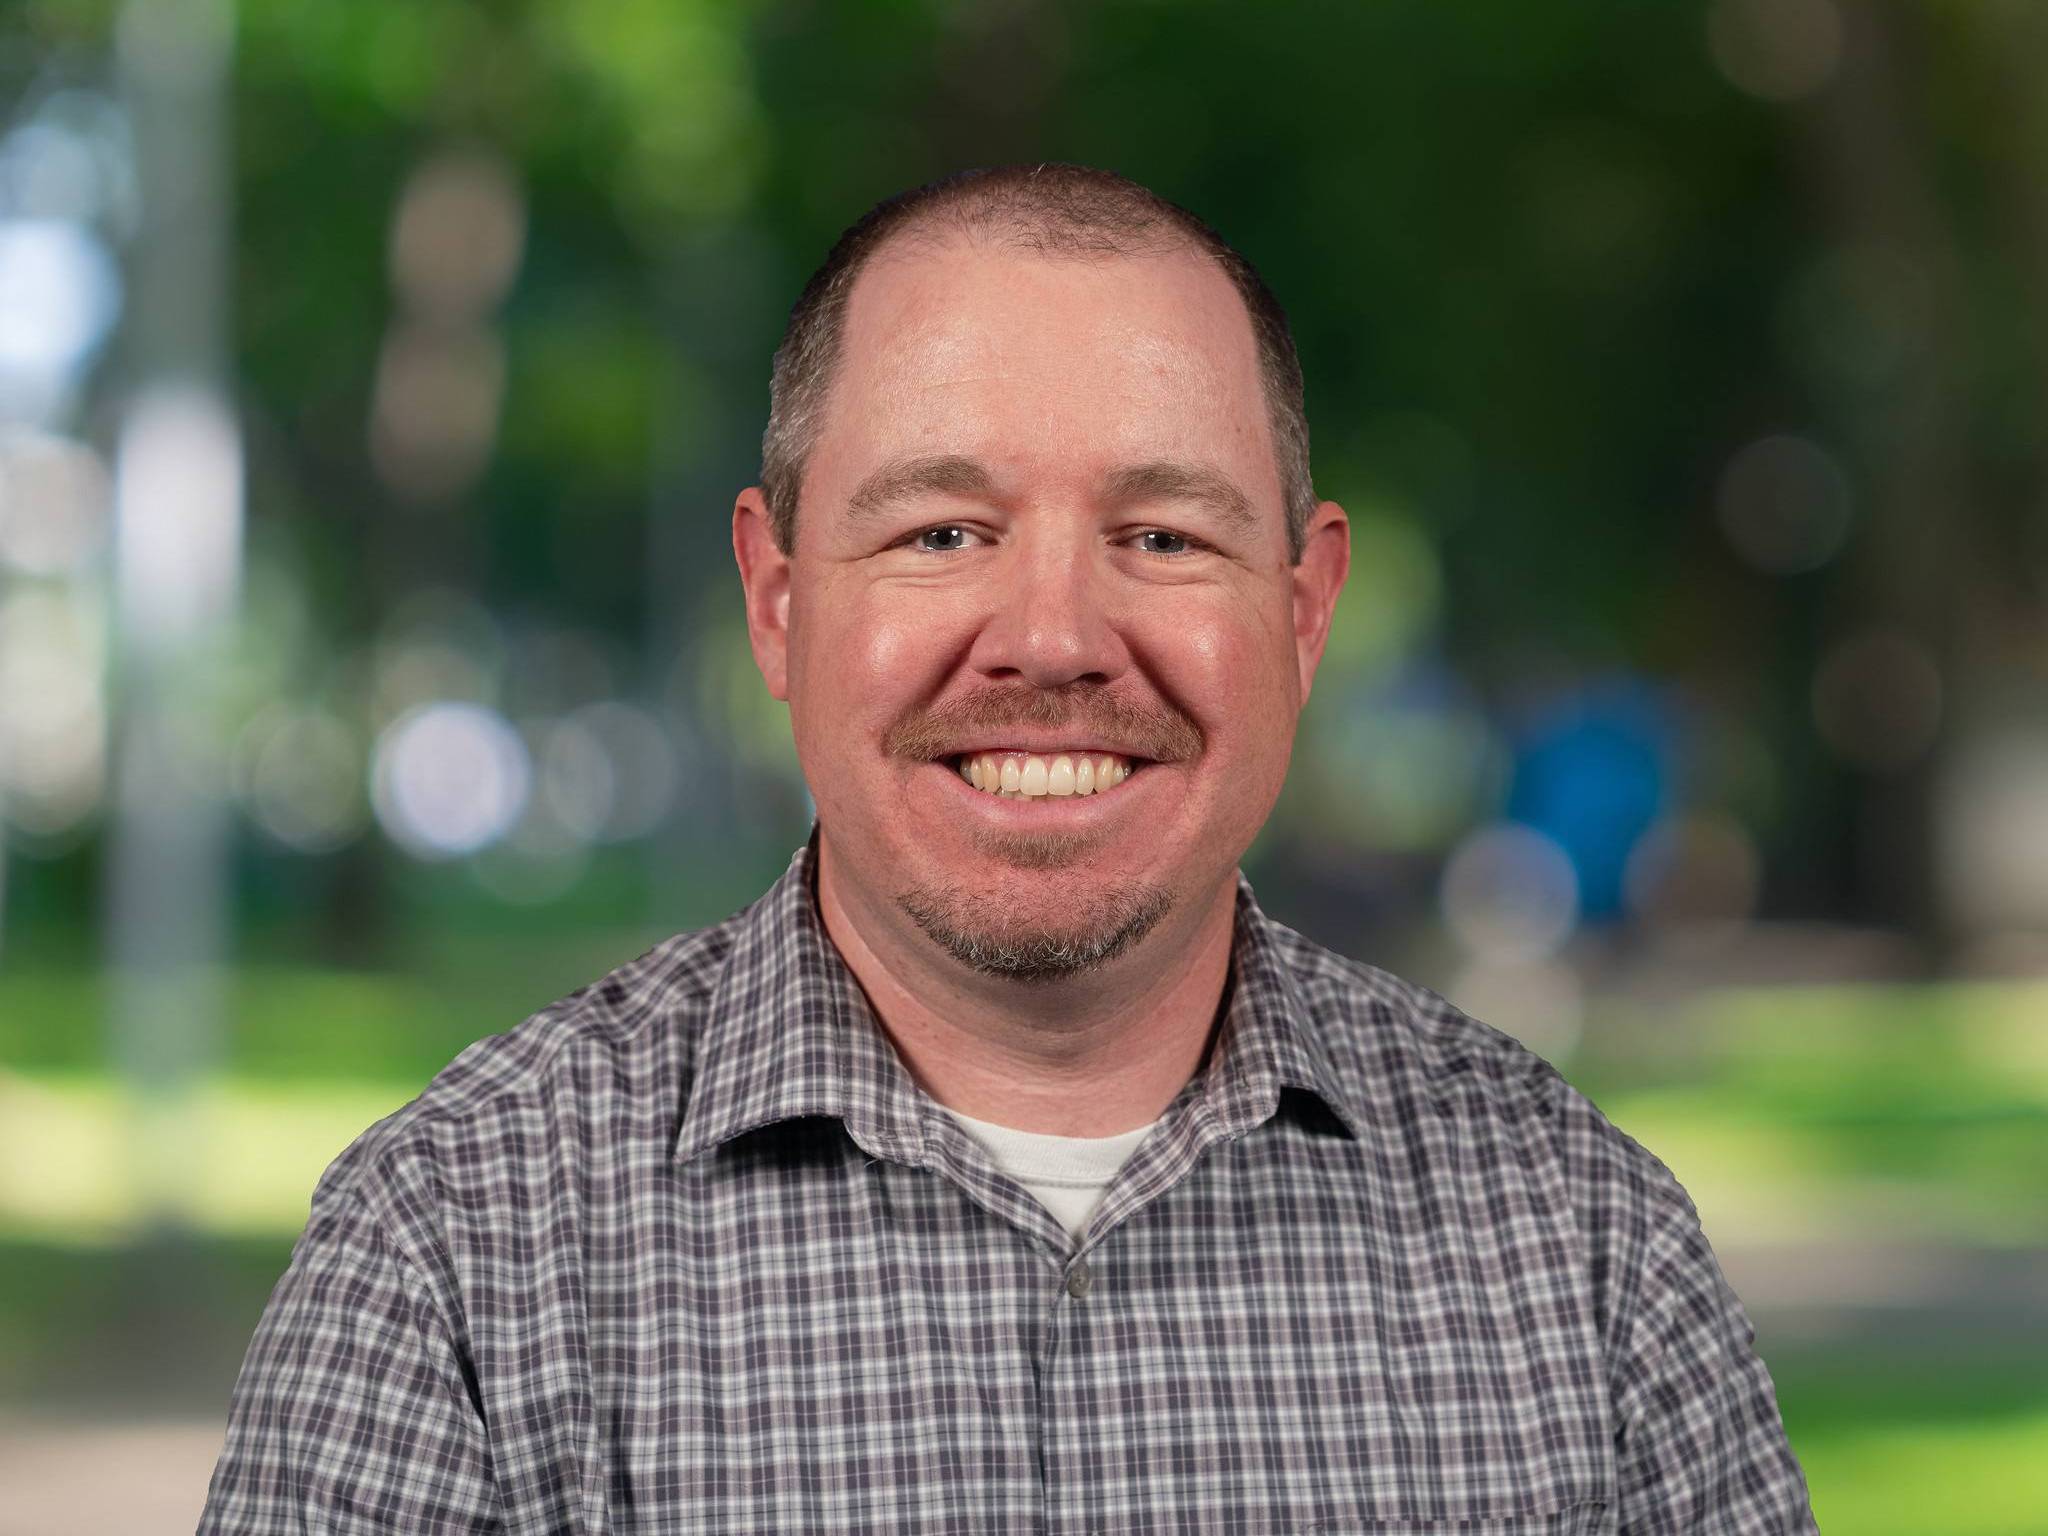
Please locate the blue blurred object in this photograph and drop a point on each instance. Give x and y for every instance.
(1592, 769)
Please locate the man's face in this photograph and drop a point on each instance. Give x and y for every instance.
(1041, 523)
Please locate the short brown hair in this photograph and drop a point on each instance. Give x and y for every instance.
(1053, 210)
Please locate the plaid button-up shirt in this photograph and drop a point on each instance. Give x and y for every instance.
(691, 1251)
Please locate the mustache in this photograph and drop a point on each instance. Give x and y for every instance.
(1089, 710)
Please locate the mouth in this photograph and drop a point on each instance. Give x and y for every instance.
(1015, 775)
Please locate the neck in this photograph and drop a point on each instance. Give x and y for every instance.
(1094, 1055)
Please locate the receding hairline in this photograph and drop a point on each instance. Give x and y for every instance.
(1056, 212)
(1023, 227)
(931, 231)
(925, 235)
(1129, 482)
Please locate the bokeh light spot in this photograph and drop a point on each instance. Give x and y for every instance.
(1777, 50)
(1784, 505)
(300, 771)
(53, 721)
(1877, 700)
(1694, 878)
(54, 497)
(449, 778)
(457, 236)
(1510, 894)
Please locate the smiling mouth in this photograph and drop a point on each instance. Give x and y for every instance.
(1034, 775)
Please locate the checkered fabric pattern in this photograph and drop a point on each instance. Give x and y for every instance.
(690, 1251)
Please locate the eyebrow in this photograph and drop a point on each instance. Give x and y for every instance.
(953, 474)
(946, 474)
(1173, 480)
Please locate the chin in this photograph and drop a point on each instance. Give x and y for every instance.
(1074, 935)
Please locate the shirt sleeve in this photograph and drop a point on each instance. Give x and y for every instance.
(1700, 1445)
(352, 1413)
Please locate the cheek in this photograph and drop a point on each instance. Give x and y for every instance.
(857, 659)
(1234, 671)
(876, 650)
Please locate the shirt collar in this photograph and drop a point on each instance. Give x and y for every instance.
(789, 1032)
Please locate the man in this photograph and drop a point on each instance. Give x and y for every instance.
(1004, 1168)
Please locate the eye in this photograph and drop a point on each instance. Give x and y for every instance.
(1160, 541)
(943, 539)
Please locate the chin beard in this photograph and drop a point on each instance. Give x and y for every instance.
(951, 918)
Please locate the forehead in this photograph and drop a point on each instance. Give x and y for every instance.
(965, 344)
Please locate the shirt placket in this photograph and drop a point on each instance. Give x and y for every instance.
(1078, 1297)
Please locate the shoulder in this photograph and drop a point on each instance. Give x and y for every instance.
(1387, 1035)
(616, 1047)
(1409, 1056)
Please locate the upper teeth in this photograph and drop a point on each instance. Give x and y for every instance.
(1026, 773)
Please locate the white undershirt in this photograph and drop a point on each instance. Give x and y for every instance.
(1068, 1174)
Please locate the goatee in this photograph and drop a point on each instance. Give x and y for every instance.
(949, 917)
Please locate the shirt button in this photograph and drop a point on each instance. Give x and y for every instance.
(1077, 1278)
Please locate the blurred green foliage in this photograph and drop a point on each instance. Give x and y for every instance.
(1548, 269)
(1945, 1436)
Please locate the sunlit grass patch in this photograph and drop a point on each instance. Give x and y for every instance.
(82, 1160)
(1761, 1175)
(280, 1021)
(1870, 1047)
(1915, 1112)
(1958, 1478)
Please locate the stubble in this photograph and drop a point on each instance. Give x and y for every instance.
(1104, 926)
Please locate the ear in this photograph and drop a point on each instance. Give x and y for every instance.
(1318, 578)
(764, 576)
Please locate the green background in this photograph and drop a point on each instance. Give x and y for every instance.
(1551, 267)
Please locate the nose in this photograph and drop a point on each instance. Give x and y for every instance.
(1048, 623)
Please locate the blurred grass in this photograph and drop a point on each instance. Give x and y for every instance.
(1793, 1115)
(1894, 1450)
(1972, 1476)
(251, 1151)
(1844, 1111)
(304, 1023)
